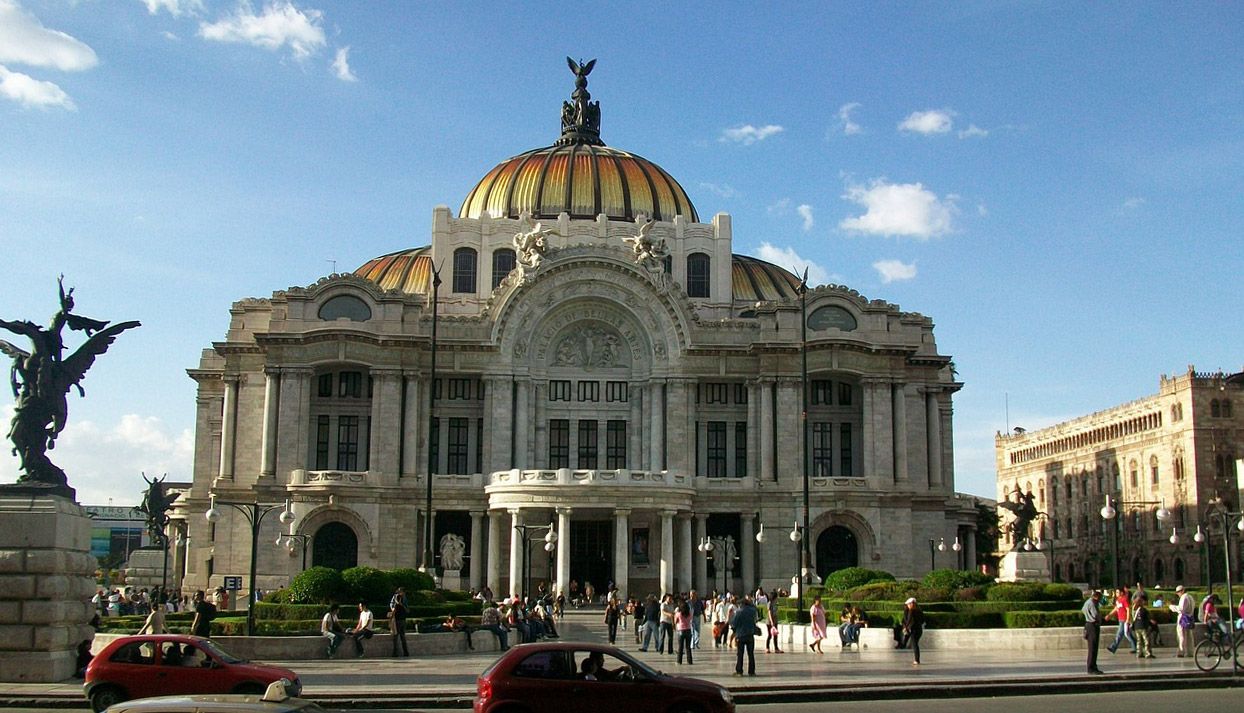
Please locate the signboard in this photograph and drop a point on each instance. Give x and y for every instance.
(233, 583)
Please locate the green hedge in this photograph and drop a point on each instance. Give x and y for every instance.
(1041, 619)
(955, 579)
(367, 584)
(319, 585)
(852, 577)
(296, 612)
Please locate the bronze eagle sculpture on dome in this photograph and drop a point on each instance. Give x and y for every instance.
(41, 380)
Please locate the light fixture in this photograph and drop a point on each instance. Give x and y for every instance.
(1199, 537)
(1108, 512)
(549, 546)
(1240, 525)
(279, 539)
(941, 545)
(1027, 545)
(760, 536)
(212, 513)
(795, 534)
(1163, 513)
(550, 537)
(1174, 536)
(287, 515)
(956, 547)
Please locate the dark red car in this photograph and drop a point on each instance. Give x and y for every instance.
(173, 664)
(533, 678)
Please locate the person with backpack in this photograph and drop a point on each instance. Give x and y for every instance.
(330, 627)
(1141, 622)
(204, 612)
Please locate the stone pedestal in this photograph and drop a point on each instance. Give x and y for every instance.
(451, 580)
(46, 583)
(1022, 566)
(145, 568)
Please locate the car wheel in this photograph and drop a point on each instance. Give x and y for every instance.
(104, 696)
(250, 689)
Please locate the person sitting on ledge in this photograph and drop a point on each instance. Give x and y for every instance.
(453, 622)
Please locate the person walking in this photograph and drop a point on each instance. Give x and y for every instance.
(743, 624)
(204, 612)
(155, 622)
(666, 643)
(682, 625)
(330, 627)
(722, 612)
(652, 622)
(1140, 627)
(913, 627)
(771, 624)
(612, 616)
(817, 613)
(697, 618)
(1092, 629)
(1122, 613)
(397, 621)
(362, 629)
(1185, 610)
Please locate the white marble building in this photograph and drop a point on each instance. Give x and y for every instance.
(635, 384)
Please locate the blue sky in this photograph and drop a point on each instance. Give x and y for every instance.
(1060, 187)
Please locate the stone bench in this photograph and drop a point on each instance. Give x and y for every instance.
(1069, 638)
(303, 648)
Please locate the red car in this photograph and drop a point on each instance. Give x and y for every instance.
(533, 678)
(173, 664)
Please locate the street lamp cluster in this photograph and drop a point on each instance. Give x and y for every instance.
(528, 532)
(939, 545)
(254, 513)
(1109, 514)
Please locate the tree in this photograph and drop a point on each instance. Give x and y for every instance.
(988, 527)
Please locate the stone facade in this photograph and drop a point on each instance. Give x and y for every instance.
(1177, 448)
(631, 382)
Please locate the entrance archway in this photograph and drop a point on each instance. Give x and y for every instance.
(336, 546)
(836, 549)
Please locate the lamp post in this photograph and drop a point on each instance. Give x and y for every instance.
(796, 537)
(706, 547)
(1225, 515)
(802, 555)
(525, 533)
(1201, 539)
(304, 541)
(432, 452)
(958, 547)
(254, 513)
(935, 546)
(1109, 513)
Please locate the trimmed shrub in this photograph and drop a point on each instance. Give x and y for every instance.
(955, 579)
(289, 612)
(279, 596)
(971, 594)
(1039, 619)
(412, 579)
(883, 591)
(1017, 592)
(455, 595)
(963, 620)
(1056, 592)
(852, 577)
(319, 585)
(933, 594)
(424, 597)
(367, 584)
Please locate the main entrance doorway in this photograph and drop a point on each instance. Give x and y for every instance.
(335, 545)
(836, 549)
(591, 554)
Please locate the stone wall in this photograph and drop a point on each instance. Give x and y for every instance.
(46, 582)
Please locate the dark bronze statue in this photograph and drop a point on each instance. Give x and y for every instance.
(155, 507)
(581, 115)
(1025, 510)
(41, 379)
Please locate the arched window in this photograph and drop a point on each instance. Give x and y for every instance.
(502, 264)
(1153, 470)
(336, 546)
(1133, 476)
(1179, 569)
(1159, 571)
(1226, 409)
(464, 270)
(697, 275)
(1215, 409)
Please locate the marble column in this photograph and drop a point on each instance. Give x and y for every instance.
(753, 430)
(766, 471)
(412, 420)
(634, 431)
(622, 550)
(516, 553)
(495, 538)
(900, 432)
(681, 458)
(879, 433)
(384, 432)
(563, 550)
(271, 411)
(228, 427)
(540, 456)
(747, 550)
(933, 427)
(644, 427)
(499, 423)
(701, 558)
(490, 426)
(522, 425)
(685, 552)
(667, 551)
(656, 457)
(293, 419)
(477, 548)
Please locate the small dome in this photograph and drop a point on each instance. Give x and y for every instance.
(754, 280)
(408, 271)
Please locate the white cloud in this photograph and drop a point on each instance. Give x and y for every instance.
(844, 115)
(170, 36)
(31, 92)
(281, 24)
(724, 190)
(24, 40)
(1133, 203)
(973, 132)
(805, 211)
(981, 210)
(748, 134)
(906, 209)
(341, 65)
(894, 270)
(107, 461)
(791, 260)
(174, 7)
(933, 121)
(782, 207)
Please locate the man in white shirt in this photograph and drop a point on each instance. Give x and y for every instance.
(1185, 611)
(330, 628)
(362, 630)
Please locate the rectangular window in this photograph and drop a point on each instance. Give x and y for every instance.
(434, 441)
(436, 390)
(740, 449)
(587, 446)
(844, 393)
(740, 394)
(615, 445)
(559, 442)
(821, 436)
(350, 384)
(1153, 474)
(479, 444)
(716, 451)
(460, 389)
(326, 386)
(347, 442)
(822, 392)
(716, 393)
(589, 391)
(844, 448)
(559, 390)
(617, 391)
(459, 435)
(322, 434)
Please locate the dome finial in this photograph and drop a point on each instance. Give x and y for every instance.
(581, 115)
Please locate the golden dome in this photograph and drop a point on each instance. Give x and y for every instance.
(752, 279)
(408, 271)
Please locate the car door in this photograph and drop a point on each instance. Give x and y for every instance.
(543, 681)
(186, 669)
(612, 691)
(131, 666)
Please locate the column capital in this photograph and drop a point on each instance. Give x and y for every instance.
(668, 513)
(701, 516)
(621, 512)
(267, 370)
(298, 370)
(234, 378)
(514, 511)
(478, 513)
(564, 510)
(683, 515)
(385, 372)
(412, 373)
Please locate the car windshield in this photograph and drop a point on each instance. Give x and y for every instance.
(637, 665)
(218, 652)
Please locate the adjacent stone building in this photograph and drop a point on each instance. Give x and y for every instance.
(1177, 448)
(605, 364)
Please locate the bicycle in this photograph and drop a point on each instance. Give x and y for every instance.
(1217, 646)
